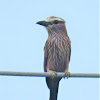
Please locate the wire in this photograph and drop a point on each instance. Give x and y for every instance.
(47, 74)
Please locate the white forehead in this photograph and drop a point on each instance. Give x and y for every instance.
(52, 18)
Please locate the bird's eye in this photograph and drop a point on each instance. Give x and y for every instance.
(55, 22)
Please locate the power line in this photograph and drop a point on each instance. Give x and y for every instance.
(46, 74)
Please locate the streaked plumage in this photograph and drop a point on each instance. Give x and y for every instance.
(57, 51)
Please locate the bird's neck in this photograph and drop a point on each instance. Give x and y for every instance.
(57, 32)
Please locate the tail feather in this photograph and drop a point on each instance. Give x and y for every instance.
(53, 85)
(54, 90)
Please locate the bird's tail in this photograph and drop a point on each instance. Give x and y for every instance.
(53, 85)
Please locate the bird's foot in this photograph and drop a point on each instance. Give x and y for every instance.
(67, 74)
(53, 73)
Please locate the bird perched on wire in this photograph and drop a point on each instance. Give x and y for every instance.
(57, 52)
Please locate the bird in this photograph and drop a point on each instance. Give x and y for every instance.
(57, 52)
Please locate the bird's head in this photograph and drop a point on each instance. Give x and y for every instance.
(52, 23)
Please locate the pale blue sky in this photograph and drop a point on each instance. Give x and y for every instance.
(22, 42)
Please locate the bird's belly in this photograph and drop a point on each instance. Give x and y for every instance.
(57, 61)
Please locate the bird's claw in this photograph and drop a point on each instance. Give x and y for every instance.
(53, 73)
(67, 74)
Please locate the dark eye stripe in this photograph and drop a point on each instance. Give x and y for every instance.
(55, 22)
(60, 22)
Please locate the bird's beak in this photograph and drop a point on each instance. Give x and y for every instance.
(44, 23)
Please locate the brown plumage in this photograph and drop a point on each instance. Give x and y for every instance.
(57, 52)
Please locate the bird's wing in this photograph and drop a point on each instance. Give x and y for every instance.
(45, 56)
(69, 54)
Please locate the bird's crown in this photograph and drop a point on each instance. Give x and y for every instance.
(53, 18)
